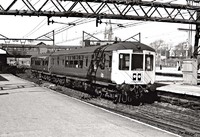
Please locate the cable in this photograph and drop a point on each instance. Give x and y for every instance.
(101, 31)
(36, 29)
(78, 22)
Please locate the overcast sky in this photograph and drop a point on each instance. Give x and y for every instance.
(32, 27)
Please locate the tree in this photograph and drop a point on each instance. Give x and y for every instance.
(183, 49)
(161, 49)
(158, 44)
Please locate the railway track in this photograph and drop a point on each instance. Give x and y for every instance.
(185, 101)
(192, 127)
(173, 119)
(187, 124)
(187, 112)
(159, 117)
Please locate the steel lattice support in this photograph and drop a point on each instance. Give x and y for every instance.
(196, 42)
(133, 10)
(107, 9)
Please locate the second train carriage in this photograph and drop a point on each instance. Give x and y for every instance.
(127, 69)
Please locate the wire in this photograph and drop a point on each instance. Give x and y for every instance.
(101, 31)
(77, 22)
(36, 28)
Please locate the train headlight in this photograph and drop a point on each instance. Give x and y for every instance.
(134, 76)
(139, 77)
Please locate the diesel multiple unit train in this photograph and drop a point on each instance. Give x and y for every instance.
(123, 71)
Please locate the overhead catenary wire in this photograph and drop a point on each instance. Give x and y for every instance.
(37, 27)
(134, 24)
(101, 31)
(57, 31)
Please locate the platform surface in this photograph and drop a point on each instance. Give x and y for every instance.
(175, 84)
(39, 112)
(180, 88)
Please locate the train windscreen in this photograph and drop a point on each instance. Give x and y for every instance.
(137, 62)
(148, 62)
(124, 61)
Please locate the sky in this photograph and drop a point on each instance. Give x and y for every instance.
(33, 27)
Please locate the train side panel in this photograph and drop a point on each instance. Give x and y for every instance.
(104, 70)
(78, 65)
(40, 64)
(124, 72)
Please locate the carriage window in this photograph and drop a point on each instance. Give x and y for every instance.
(71, 63)
(75, 64)
(149, 62)
(37, 62)
(43, 63)
(46, 62)
(86, 62)
(137, 62)
(80, 64)
(57, 60)
(52, 61)
(124, 61)
(32, 61)
(66, 63)
(110, 61)
(63, 62)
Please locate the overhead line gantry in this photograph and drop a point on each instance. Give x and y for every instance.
(133, 10)
(108, 9)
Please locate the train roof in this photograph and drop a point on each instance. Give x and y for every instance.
(136, 46)
(42, 56)
(2, 51)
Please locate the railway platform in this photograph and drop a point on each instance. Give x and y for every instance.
(180, 88)
(174, 83)
(30, 110)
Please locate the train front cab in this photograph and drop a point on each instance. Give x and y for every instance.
(133, 68)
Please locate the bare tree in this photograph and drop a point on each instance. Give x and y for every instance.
(158, 44)
(160, 47)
